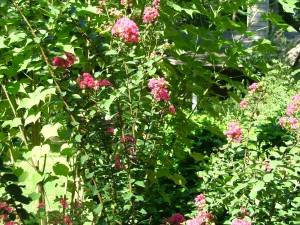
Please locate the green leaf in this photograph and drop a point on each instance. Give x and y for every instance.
(98, 209)
(139, 183)
(179, 179)
(60, 169)
(289, 6)
(197, 156)
(268, 177)
(32, 118)
(36, 178)
(84, 158)
(111, 52)
(13, 189)
(10, 177)
(34, 196)
(239, 187)
(16, 122)
(259, 185)
(78, 138)
(2, 45)
(39, 151)
(50, 130)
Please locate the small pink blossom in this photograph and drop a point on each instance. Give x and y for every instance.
(64, 203)
(3, 205)
(41, 205)
(67, 220)
(99, 11)
(268, 168)
(103, 83)
(126, 28)
(240, 222)
(243, 104)
(234, 132)
(172, 109)
(150, 14)
(244, 211)
(253, 87)
(111, 129)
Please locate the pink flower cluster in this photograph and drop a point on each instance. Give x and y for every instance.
(64, 203)
(64, 63)
(244, 104)
(234, 132)
(202, 217)
(289, 122)
(126, 2)
(176, 219)
(240, 222)
(159, 89)
(151, 13)
(126, 28)
(87, 81)
(294, 105)
(200, 201)
(101, 4)
(253, 87)
(6, 210)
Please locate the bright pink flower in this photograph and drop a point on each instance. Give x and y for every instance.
(86, 81)
(234, 132)
(253, 87)
(67, 220)
(150, 14)
(64, 63)
(176, 219)
(159, 89)
(126, 28)
(172, 109)
(64, 203)
(243, 104)
(240, 222)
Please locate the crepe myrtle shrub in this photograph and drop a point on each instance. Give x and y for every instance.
(253, 171)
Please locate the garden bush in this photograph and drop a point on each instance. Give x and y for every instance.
(91, 103)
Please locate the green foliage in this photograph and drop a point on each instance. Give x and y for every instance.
(124, 154)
